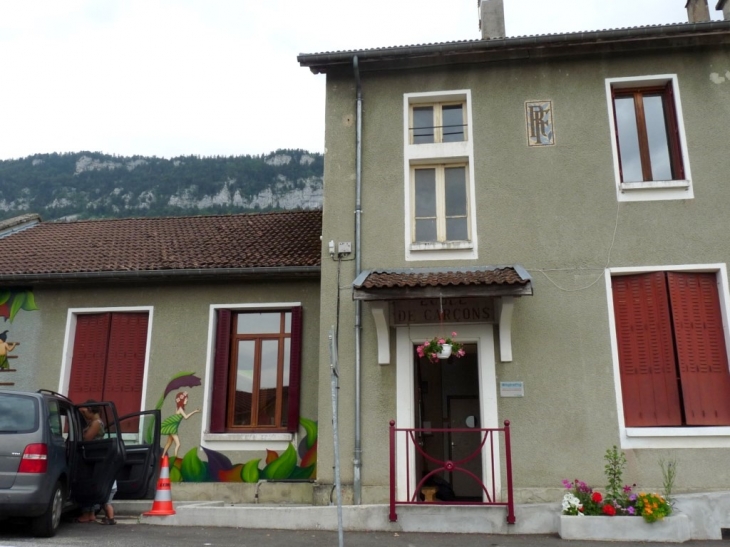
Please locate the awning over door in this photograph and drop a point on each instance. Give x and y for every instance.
(407, 283)
(502, 282)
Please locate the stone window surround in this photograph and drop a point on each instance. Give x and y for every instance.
(667, 437)
(651, 190)
(438, 153)
(236, 441)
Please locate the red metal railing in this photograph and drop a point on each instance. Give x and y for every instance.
(407, 439)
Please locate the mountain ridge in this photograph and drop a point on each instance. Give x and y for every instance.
(87, 185)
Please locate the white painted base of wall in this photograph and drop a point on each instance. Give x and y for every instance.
(673, 529)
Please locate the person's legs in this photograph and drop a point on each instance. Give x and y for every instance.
(87, 515)
(109, 508)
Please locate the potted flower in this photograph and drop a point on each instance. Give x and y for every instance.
(620, 502)
(439, 347)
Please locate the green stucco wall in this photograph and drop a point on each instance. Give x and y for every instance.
(179, 339)
(553, 210)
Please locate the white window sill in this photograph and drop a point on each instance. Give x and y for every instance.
(676, 437)
(248, 437)
(653, 184)
(445, 246)
(247, 441)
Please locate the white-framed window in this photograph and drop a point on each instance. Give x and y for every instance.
(440, 203)
(248, 343)
(438, 122)
(648, 138)
(106, 356)
(439, 176)
(669, 337)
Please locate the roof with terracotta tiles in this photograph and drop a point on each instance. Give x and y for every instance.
(412, 283)
(442, 277)
(200, 244)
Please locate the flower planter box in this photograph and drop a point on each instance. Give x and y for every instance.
(673, 529)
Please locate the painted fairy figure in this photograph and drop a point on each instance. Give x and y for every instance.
(171, 424)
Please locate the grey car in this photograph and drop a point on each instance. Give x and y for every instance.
(47, 468)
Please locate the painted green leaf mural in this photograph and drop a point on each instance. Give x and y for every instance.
(250, 472)
(194, 469)
(310, 427)
(29, 304)
(4, 296)
(281, 467)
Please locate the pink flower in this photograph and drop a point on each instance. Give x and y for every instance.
(461, 353)
(453, 334)
(419, 350)
(442, 341)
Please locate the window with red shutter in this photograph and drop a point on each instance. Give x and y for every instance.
(256, 371)
(671, 344)
(108, 360)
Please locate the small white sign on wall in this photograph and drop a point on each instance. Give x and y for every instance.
(511, 389)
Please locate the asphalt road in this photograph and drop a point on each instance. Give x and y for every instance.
(130, 534)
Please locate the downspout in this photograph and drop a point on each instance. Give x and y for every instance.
(357, 462)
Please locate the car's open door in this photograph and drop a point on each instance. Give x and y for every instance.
(137, 479)
(97, 461)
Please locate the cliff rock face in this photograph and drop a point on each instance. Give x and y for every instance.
(94, 185)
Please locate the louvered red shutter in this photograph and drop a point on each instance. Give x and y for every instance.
(295, 369)
(125, 364)
(701, 351)
(646, 352)
(89, 357)
(220, 372)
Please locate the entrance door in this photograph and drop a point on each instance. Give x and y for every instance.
(464, 414)
(447, 394)
(422, 403)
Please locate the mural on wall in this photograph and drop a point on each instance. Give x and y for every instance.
(172, 423)
(11, 302)
(291, 464)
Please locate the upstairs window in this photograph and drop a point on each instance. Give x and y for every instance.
(440, 204)
(647, 134)
(648, 139)
(437, 123)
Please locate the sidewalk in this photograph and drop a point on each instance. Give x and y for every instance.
(709, 515)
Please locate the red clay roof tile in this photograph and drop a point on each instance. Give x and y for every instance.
(265, 240)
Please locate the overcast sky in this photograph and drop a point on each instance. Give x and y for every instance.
(220, 77)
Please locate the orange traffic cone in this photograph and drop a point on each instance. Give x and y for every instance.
(163, 497)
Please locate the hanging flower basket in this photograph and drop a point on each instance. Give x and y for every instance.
(439, 347)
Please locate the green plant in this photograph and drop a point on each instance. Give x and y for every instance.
(669, 475)
(614, 469)
(652, 507)
(431, 348)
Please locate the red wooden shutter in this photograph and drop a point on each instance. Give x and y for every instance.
(125, 364)
(295, 369)
(646, 352)
(221, 365)
(670, 113)
(701, 351)
(89, 357)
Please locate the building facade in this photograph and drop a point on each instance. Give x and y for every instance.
(557, 201)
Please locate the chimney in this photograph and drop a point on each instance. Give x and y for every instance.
(491, 19)
(724, 5)
(697, 11)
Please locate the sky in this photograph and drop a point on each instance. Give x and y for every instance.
(220, 77)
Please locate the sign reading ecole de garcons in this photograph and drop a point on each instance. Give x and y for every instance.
(455, 310)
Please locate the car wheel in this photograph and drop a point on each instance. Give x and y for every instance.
(46, 525)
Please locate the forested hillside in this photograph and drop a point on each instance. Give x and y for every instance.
(93, 185)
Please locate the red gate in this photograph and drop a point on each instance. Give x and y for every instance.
(406, 439)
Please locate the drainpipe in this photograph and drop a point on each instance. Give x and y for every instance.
(357, 463)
